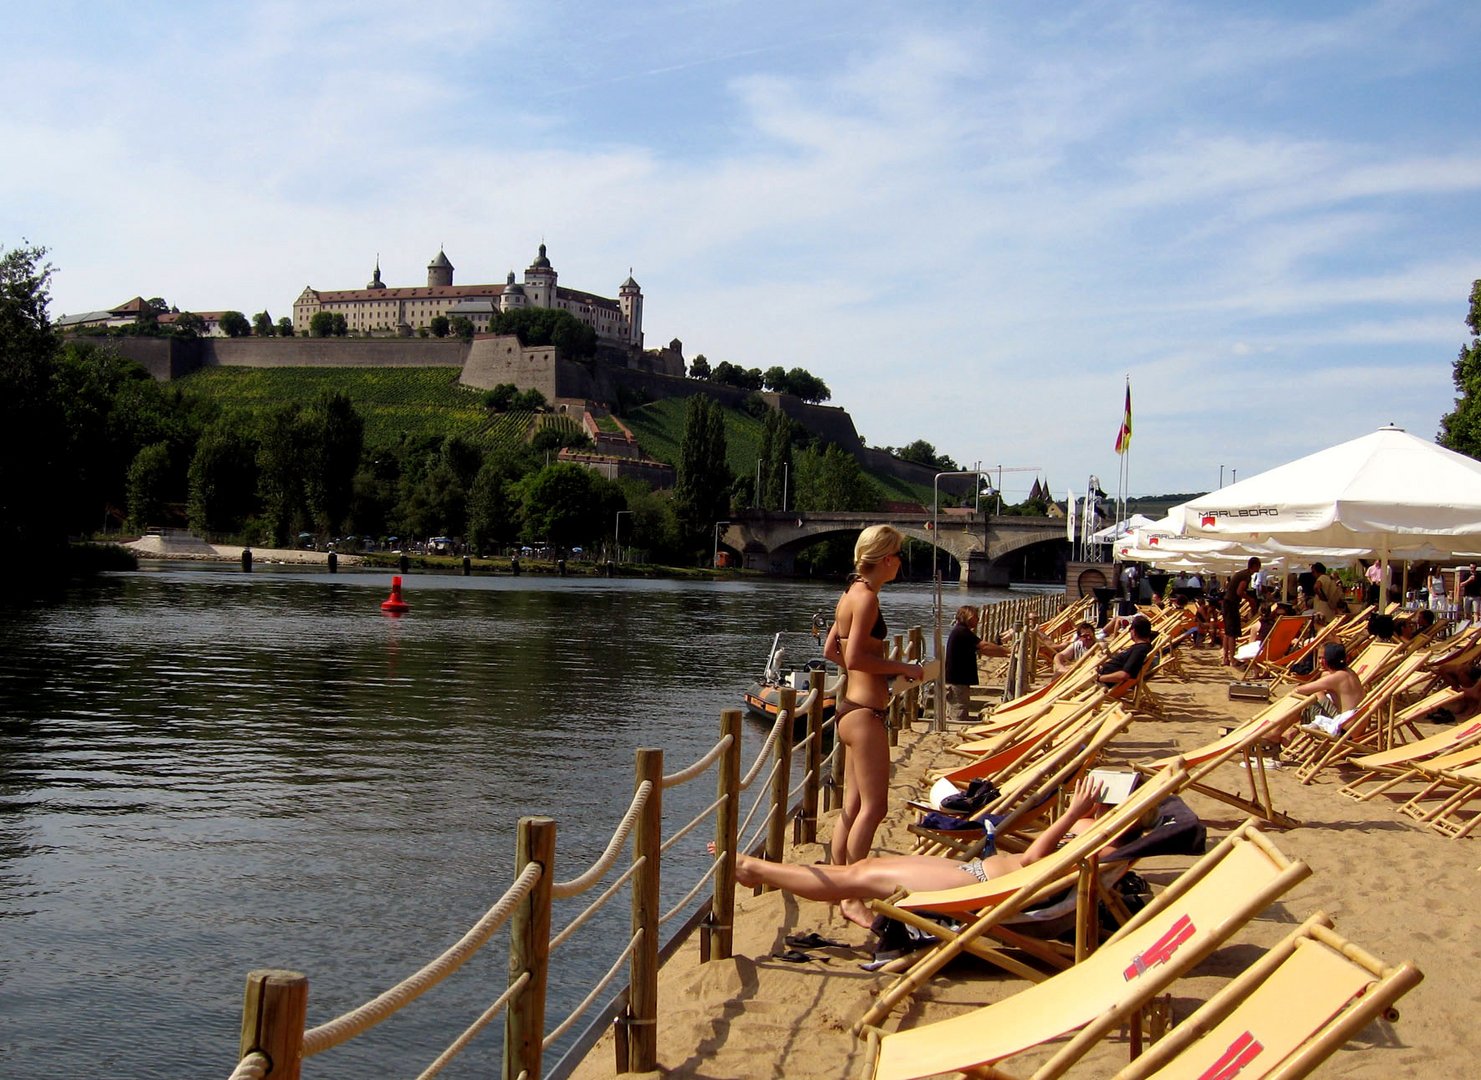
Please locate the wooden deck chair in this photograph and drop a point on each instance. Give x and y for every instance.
(1387, 769)
(1029, 793)
(1285, 1015)
(1242, 746)
(995, 757)
(1279, 640)
(1366, 731)
(1281, 667)
(988, 904)
(1201, 909)
(1450, 817)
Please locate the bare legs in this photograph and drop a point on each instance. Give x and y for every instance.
(866, 783)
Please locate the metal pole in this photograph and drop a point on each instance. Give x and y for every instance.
(786, 478)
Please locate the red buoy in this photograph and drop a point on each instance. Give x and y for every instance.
(394, 603)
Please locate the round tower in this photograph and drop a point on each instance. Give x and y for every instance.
(513, 295)
(540, 278)
(439, 270)
(630, 299)
(375, 280)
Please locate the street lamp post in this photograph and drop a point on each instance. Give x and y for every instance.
(939, 724)
(715, 556)
(1221, 476)
(617, 532)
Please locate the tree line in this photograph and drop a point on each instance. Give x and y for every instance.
(795, 381)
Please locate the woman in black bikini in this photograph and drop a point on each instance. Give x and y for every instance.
(857, 643)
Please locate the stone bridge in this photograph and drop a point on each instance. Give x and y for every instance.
(769, 540)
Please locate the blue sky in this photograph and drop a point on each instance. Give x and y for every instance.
(973, 221)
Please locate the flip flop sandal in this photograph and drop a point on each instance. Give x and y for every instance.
(792, 956)
(814, 941)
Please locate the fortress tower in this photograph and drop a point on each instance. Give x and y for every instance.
(630, 299)
(540, 279)
(439, 271)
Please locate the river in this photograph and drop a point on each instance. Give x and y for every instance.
(204, 772)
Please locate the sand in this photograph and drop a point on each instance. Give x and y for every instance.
(1394, 887)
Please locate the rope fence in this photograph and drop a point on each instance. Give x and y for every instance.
(275, 1038)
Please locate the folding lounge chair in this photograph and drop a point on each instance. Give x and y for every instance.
(987, 904)
(1279, 640)
(1285, 1015)
(1464, 785)
(1200, 910)
(1387, 769)
(1244, 743)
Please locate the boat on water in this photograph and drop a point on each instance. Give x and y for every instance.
(763, 697)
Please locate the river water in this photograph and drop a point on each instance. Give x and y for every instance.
(204, 772)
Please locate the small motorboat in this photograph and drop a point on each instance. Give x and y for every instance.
(763, 697)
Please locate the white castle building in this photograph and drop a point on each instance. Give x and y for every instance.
(379, 309)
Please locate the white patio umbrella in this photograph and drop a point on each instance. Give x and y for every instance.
(1112, 533)
(1388, 493)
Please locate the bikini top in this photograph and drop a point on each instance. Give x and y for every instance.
(879, 631)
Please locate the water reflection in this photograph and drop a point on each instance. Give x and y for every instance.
(204, 772)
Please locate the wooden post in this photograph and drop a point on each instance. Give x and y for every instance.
(642, 998)
(892, 723)
(812, 782)
(721, 930)
(781, 783)
(834, 793)
(529, 950)
(273, 1013)
(918, 653)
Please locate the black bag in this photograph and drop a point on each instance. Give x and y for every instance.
(979, 793)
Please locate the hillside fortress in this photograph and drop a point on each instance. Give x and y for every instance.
(381, 309)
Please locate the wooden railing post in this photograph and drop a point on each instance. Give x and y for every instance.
(529, 950)
(892, 719)
(833, 797)
(918, 654)
(721, 931)
(273, 1013)
(781, 783)
(642, 999)
(812, 782)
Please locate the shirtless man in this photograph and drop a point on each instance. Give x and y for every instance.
(1343, 689)
(1079, 645)
(879, 876)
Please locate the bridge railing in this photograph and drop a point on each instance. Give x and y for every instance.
(275, 1038)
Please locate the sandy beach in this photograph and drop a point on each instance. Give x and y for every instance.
(1394, 887)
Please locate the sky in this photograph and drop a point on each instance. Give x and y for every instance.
(974, 221)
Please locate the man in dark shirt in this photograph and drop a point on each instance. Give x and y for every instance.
(1127, 664)
(1239, 590)
(963, 647)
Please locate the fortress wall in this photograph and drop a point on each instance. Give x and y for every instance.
(333, 352)
(500, 358)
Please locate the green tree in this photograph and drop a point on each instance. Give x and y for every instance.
(262, 325)
(285, 327)
(148, 485)
(461, 327)
(334, 435)
(321, 324)
(807, 386)
(282, 445)
(500, 397)
(777, 468)
(339, 325)
(702, 479)
(493, 509)
(529, 401)
(699, 367)
(833, 481)
(548, 326)
(440, 326)
(190, 324)
(923, 453)
(223, 480)
(31, 430)
(565, 504)
(234, 324)
(775, 379)
(1460, 429)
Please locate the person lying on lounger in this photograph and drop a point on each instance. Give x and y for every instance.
(879, 876)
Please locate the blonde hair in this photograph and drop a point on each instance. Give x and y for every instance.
(874, 544)
(965, 614)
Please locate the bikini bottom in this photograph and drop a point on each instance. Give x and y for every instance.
(844, 706)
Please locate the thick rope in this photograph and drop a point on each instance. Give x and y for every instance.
(700, 767)
(760, 830)
(458, 1045)
(357, 1021)
(756, 802)
(598, 870)
(693, 824)
(252, 1067)
(679, 908)
(764, 755)
(565, 1024)
(596, 905)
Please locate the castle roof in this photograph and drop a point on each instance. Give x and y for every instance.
(440, 261)
(449, 292)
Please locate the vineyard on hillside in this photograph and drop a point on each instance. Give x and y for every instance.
(394, 402)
